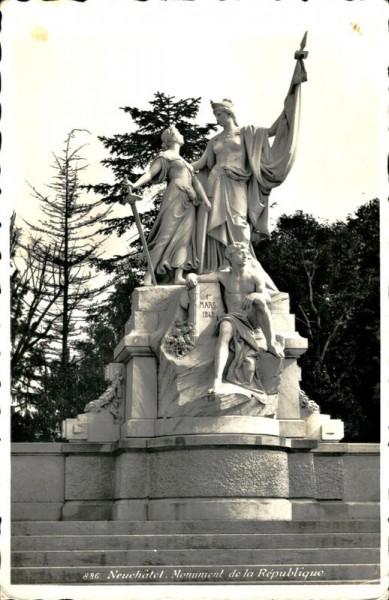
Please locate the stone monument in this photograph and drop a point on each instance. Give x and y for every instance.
(203, 462)
(204, 401)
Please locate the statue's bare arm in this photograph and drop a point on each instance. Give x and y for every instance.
(207, 159)
(202, 196)
(201, 163)
(148, 176)
(260, 292)
(193, 279)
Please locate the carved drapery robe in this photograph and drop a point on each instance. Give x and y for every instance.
(240, 197)
(172, 242)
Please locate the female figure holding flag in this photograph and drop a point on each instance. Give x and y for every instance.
(239, 169)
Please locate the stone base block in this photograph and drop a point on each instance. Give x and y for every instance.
(87, 510)
(307, 510)
(92, 427)
(208, 425)
(208, 471)
(223, 424)
(75, 429)
(37, 473)
(134, 428)
(36, 511)
(216, 509)
(89, 477)
(322, 427)
(332, 430)
(302, 476)
(361, 477)
(130, 510)
(102, 428)
(292, 428)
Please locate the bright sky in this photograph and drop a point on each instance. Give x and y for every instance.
(72, 65)
(69, 64)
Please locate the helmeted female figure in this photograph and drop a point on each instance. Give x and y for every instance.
(239, 168)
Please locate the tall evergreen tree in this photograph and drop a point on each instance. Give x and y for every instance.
(35, 287)
(51, 296)
(69, 241)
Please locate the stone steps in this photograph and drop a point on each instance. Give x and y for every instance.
(109, 552)
(218, 556)
(194, 541)
(170, 527)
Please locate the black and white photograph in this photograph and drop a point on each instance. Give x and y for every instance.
(194, 298)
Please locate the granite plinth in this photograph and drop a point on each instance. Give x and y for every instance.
(197, 476)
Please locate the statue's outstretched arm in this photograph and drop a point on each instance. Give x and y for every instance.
(155, 168)
(201, 163)
(192, 279)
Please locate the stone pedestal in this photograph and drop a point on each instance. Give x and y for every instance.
(167, 394)
(178, 452)
(182, 381)
(194, 477)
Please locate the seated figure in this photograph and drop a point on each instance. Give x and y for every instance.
(245, 296)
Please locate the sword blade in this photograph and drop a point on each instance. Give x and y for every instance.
(143, 242)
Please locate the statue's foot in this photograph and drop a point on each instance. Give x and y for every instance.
(179, 278)
(276, 349)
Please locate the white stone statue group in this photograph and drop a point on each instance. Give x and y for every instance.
(233, 184)
(213, 208)
(230, 184)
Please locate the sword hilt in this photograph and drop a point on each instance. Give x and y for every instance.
(130, 198)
